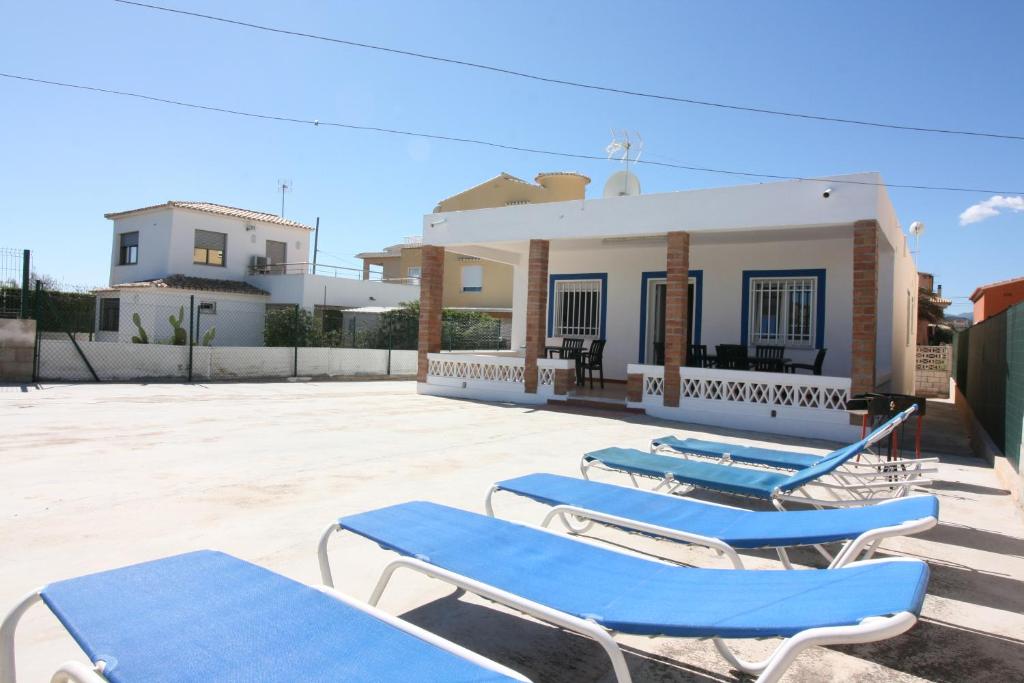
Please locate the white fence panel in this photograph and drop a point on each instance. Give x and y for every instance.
(59, 360)
(404, 362)
(229, 362)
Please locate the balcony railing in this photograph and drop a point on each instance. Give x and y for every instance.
(327, 270)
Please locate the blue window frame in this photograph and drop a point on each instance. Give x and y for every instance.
(698, 297)
(577, 304)
(790, 306)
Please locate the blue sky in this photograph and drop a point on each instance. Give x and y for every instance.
(71, 156)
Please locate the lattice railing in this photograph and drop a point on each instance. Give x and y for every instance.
(823, 393)
(480, 369)
(654, 386)
(934, 358)
(545, 376)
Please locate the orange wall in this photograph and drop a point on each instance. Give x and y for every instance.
(997, 299)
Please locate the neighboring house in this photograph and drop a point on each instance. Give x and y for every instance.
(235, 262)
(801, 264)
(474, 282)
(926, 287)
(996, 297)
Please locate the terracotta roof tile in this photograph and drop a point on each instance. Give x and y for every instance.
(218, 209)
(205, 284)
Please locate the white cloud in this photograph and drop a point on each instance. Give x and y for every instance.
(991, 207)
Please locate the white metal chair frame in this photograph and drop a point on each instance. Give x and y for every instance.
(769, 670)
(857, 488)
(579, 520)
(77, 672)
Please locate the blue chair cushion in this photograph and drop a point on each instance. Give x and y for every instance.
(634, 595)
(207, 616)
(738, 528)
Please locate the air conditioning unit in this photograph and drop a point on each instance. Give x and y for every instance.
(258, 264)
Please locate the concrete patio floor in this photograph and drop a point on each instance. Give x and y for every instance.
(98, 476)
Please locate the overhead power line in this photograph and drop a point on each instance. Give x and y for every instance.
(483, 143)
(575, 84)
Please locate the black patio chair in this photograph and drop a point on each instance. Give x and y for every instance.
(814, 367)
(732, 357)
(698, 356)
(590, 360)
(571, 348)
(769, 358)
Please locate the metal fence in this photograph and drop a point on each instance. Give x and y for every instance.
(989, 371)
(15, 269)
(133, 335)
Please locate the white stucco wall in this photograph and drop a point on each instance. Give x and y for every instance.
(722, 304)
(904, 353)
(315, 290)
(167, 238)
(239, 319)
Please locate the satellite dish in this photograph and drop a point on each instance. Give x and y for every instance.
(917, 228)
(622, 184)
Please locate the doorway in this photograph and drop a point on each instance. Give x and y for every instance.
(654, 317)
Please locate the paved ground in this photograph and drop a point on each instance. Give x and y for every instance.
(100, 476)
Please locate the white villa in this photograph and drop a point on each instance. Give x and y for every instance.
(808, 265)
(234, 262)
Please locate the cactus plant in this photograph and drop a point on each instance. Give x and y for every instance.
(180, 336)
(141, 337)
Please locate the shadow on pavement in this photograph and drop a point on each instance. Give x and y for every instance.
(945, 653)
(542, 652)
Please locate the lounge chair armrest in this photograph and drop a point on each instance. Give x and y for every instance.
(423, 634)
(544, 613)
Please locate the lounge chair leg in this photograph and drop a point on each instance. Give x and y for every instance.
(321, 555)
(76, 672)
(867, 631)
(7, 628)
(784, 557)
(487, 501)
(743, 665)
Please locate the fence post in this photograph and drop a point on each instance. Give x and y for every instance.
(191, 336)
(497, 335)
(26, 260)
(39, 331)
(295, 336)
(390, 344)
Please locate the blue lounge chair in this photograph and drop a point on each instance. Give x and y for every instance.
(790, 460)
(579, 503)
(593, 590)
(829, 474)
(207, 616)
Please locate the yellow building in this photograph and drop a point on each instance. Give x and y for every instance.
(472, 283)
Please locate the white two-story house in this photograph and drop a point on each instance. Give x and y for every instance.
(232, 263)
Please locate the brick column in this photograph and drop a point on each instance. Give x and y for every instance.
(676, 305)
(564, 380)
(634, 388)
(536, 311)
(865, 306)
(431, 294)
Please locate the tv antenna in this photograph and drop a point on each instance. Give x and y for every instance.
(623, 148)
(284, 187)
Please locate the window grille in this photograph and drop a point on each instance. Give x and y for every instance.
(110, 315)
(783, 311)
(577, 308)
